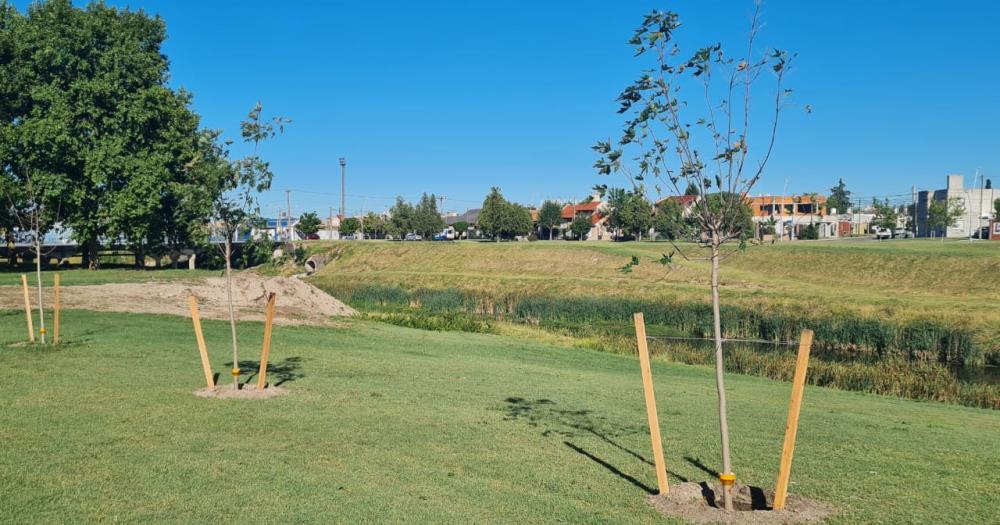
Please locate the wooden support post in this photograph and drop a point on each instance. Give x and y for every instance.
(792, 425)
(55, 313)
(193, 303)
(651, 414)
(262, 374)
(27, 308)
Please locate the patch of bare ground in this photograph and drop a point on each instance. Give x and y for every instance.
(702, 503)
(299, 303)
(246, 392)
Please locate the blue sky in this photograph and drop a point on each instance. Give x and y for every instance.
(456, 97)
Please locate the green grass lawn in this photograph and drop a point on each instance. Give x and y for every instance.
(80, 276)
(393, 424)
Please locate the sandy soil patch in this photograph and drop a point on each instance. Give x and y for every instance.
(298, 302)
(702, 503)
(247, 392)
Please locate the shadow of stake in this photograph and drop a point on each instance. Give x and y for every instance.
(278, 372)
(582, 423)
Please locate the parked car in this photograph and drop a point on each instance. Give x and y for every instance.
(882, 233)
(901, 233)
(412, 237)
(312, 237)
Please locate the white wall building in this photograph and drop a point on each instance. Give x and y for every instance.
(977, 203)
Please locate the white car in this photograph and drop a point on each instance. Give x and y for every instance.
(882, 233)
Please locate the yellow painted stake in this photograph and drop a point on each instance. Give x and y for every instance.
(55, 313)
(792, 425)
(262, 374)
(27, 308)
(654, 421)
(193, 303)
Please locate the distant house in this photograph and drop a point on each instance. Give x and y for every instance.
(686, 202)
(596, 211)
(793, 213)
(471, 217)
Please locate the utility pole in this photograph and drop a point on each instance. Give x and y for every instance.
(288, 223)
(968, 202)
(441, 199)
(982, 206)
(913, 199)
(329, 225)
(343, 184)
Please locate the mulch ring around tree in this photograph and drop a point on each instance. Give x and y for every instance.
(702, 503)
(246, 392)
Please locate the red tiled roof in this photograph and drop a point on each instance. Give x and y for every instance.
(683, 200)
(570, 210)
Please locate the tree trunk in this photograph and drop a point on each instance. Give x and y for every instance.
(38, 277)
(720, 371)
(232, 314)
(90, 253)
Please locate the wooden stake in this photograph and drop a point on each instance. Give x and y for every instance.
(792, 425)
(55, 313)
(262, 374)
(654, 420)
(193, 303)
(27, 308)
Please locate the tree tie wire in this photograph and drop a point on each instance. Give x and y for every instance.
(724, 340)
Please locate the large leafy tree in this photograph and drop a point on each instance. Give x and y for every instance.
(426, 219)
(502, 219)
(309, 223)
(688, 120)
(400, 218)
(631, 212)
(374, 225)
(493, 214)
(885, 215)
(840, 197)
(943, 214)
(669, 220)
(94, 118)
(550, 216)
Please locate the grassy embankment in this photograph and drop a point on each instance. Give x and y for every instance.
(889, 317)
(392, 424)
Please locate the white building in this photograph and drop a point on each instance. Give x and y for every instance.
(976, 202)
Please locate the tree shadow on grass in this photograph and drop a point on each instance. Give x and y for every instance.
(278, 372)
(581, 423)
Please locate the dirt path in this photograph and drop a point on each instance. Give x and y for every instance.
(298, 302)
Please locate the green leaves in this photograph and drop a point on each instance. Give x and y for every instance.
(628, 267)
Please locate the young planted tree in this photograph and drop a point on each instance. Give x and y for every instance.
(235, 208)
(716, 148)
(549, 216)
(32, 202)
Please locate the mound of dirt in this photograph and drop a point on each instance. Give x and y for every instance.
(247, 392)
(702, 503)
(298, 302)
